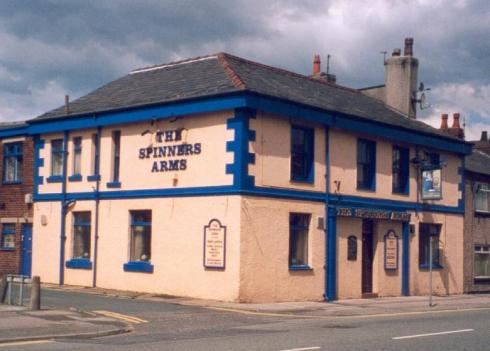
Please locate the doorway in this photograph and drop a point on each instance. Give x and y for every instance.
(367, 256)
(26, 249)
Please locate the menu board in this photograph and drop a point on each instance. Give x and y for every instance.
(214, 245)
(391, 251)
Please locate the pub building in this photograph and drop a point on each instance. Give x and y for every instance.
(221, 178)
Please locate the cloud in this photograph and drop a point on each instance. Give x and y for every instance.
(57, 47)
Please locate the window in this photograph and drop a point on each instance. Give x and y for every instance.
(298, 240)
(77, 156)
(81, 235)
(366, 164)
(57, 157)
(302, 153)
(426, 231)
(140, 236)
(400, 168)
(116, 144)
(8, 236)
(95, 154)
(482, 262)
(352, 248)
(12, 162)
(482, 197)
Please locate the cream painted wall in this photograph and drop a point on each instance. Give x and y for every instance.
(264, 246)
(272, 150)
(343, 165)
(205, 169)
(349, 273)
(386, 282)
(177, 246)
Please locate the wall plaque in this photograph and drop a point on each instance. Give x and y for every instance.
(214, 245)
(391, 250)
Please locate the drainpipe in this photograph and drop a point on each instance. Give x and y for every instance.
(97, 200)
(64, 206)
(330, 266)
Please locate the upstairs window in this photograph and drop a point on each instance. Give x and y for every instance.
(81, 235)
(366, 164)
(140, 236)
(116, 145)
(12, 162)
(400, 170)
(7, 239)
(77, 156)
(482, 262)
(426, 231)
(57, 157)
(302, 153)
(298, 239)
(95, 154)
(482, 197)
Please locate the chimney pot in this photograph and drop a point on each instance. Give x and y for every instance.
(396, 52)
(408, 50)
(67, 104)
(444, 118)
(316, 65)
(484, 136)
(456, 121)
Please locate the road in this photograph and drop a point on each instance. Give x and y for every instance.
(167, 326)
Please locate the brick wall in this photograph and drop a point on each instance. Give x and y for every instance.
(13, 207)
(476, 232)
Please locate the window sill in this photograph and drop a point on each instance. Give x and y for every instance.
(75, 178)
(93, 178)
(7, 248)
(434, 266)
(55, 179)
(113, 185)
(138, 266)
(303, 180)
(368, 189)
(404, 193)
(482, 214)
(303, 267)
(14, 182)
(79, 263)
(483, 281)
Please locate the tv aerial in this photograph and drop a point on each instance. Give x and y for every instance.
(420, 97)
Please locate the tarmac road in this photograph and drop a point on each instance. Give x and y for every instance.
(167, 326)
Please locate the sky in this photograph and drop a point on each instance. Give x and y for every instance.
(51, 48)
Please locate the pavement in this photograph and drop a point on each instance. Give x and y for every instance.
(19, 324)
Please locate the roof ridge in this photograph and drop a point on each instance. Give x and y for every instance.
(172, 63)
(291, 73)
(235, 78)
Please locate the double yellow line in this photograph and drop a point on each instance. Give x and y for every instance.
(126, 318)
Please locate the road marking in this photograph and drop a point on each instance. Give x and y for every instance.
(20, 343)
(432, 334)
(304, 348)
(130, 319)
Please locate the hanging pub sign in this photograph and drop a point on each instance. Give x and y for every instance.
(431, 184)
(391, 251)
(214, 245)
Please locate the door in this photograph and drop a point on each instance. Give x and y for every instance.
(26, 249)
(367, 256)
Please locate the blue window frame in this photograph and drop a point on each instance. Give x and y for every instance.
(400, 170)
(302, 153)
(77, 156)
(140, 236)
(57, 157)
(426, 231)
(298, 240)
(366, 164)
(81, 234)
(116, 143)
(12, 163)
(7, 240)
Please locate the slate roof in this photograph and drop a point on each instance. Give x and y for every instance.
(478, 162)
(223, 74)
(12, 125)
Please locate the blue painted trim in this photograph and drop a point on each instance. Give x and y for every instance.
(300, 268)
(55, 179)
(239, 146)
(138, 266)
(79, 263)
(326, 229)
(93, 177)
(405, 259)
(371, 147)
(38, 163)
(7, 248)
(113, 184)
(97, 204)
(20, 131)
(434, 266)
(331, 281)
(12, 183)
(75, 178)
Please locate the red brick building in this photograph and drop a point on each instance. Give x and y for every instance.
(16, 186)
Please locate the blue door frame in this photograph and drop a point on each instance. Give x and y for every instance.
(26, 249)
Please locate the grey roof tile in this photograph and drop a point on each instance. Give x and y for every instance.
(478, 162)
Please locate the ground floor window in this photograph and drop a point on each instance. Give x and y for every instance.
(140, 236)
(426, 231)
(7, 239)
(81, 235)
(482, 262)
(298, 239)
